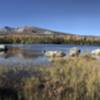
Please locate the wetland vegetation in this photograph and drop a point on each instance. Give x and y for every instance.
(69, 79)
(48, 39)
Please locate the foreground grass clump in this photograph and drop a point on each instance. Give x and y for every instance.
(72, 79)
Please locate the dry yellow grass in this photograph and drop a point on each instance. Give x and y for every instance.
(70, 79)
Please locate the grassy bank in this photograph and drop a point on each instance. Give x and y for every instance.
(31, 39)
(72, 79)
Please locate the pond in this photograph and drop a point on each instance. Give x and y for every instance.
(31, 55)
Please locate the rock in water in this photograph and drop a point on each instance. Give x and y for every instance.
(74, 51)
(96, 52)
(3, 47)
(54, 53)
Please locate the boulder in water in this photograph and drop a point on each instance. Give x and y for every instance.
(54, 53)
(74, 51)
(96, 52)
(3, 47)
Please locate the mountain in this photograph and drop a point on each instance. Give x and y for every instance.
(28, 30)
(30, 34)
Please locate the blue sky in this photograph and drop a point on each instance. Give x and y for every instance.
(72, 16)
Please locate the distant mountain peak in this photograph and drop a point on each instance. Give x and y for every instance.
(28, 30)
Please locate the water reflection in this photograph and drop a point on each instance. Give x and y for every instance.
(21, 53)
(30, 55)
(22, 57)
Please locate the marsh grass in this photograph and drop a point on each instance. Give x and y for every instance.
(71, 79)
(55, 39)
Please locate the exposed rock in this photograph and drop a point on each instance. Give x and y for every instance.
(74, 52)
(3, 47)
(54, 53)
(96, 52)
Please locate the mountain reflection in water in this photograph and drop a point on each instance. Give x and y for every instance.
(31, 55)
(21, 53)
(22, 57)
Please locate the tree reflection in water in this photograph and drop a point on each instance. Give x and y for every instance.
(20, 52)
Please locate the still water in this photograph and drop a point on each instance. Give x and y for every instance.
(30, 55)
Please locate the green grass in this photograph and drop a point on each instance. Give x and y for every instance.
(71, 79)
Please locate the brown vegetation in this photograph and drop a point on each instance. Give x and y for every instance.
(56, 39)
(71, 79)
